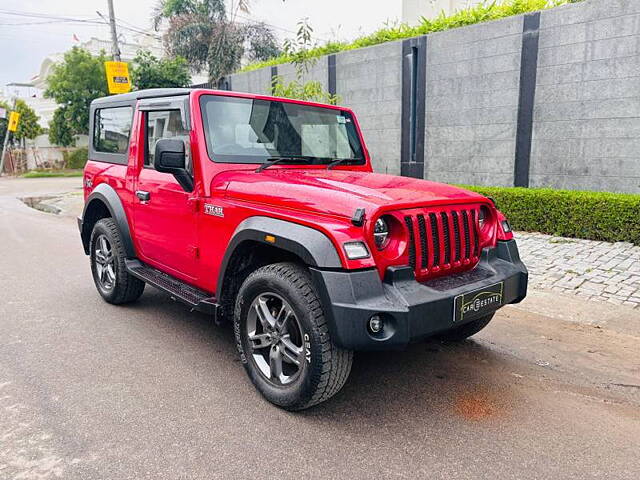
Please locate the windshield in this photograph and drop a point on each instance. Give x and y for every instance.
(244, 130)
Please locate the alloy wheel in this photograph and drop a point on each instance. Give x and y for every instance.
(105, 263)
(275, 338)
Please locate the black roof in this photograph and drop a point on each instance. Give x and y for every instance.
(149, 93)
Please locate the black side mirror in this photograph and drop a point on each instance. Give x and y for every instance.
(169, 157)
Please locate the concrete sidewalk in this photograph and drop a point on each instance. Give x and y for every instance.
(593, 270)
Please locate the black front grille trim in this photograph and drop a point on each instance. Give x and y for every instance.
(422, 230)
(456, 236)
(447, 239)
(467, 234)
(435, 238)
(476, 244)
(408, 220)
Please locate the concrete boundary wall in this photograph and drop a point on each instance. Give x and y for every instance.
(547, 99)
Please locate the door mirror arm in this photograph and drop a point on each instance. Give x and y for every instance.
(170, 158)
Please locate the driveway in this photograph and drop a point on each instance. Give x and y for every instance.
(551, 389)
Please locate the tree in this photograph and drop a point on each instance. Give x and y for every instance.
(298, 51)
(59, 131)
(208, 35)
(3, 123)
(74, 84)
(28, 126)
(148, 71)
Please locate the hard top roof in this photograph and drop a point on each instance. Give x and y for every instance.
(149, 93)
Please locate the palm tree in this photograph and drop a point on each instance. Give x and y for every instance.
(212, 37)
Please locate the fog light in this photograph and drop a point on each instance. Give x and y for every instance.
(505, 226)
(376, 324)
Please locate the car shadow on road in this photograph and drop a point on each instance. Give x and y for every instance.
(468, 380)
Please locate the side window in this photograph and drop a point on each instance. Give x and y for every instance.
(165, 124)
(112, 128)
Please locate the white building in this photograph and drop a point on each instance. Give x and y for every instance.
(39, 151)
(32, 92)
(414, 10)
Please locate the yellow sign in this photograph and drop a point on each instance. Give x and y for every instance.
(14, 117)
(118, 77)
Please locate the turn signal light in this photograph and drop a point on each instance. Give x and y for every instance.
(356, 250)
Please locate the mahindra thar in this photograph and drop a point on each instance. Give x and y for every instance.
(264, 212)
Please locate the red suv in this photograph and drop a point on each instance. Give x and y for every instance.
(264, 212)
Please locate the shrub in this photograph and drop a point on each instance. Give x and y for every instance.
(309, 91)
(483, 12)
(611, 217)
(76, 158)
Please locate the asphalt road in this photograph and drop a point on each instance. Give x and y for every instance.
(550, 389)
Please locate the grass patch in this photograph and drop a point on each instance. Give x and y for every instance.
(483, 12)
(52, 173)
(609, 217)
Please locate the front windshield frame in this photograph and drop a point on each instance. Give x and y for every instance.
(354, 137)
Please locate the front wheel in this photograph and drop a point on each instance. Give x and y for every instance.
(283, 338)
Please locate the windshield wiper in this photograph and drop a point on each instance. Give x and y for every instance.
(275, 160)
(338, 161)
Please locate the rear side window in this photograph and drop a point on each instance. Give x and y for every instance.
(112, 128)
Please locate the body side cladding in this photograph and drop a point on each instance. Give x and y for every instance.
(312, 246)
(107, 196)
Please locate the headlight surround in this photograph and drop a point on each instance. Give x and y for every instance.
(381, 233)
(483, 217)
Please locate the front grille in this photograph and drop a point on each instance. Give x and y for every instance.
(442, 240)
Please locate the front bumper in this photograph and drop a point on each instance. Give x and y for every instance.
(411, 310)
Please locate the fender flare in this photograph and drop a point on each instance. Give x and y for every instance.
(311, 245)
(105, 194)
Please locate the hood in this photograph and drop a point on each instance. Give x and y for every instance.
(339, 192)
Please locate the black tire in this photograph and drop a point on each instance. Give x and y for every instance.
(467, 330)
(325, 367)
(125, 287)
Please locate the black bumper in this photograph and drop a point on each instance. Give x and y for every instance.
(411, 310)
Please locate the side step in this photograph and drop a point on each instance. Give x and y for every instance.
(176, 288)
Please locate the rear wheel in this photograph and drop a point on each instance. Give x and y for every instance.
(114, 283)
(284, 341)
(467, 330)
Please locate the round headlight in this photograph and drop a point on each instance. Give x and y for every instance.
(381, 233)
(483, 215)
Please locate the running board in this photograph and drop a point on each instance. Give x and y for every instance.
(176, 288)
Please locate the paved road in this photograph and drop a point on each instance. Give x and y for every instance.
(93, 391)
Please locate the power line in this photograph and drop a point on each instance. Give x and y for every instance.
(134, 28)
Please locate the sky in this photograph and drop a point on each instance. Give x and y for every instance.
(26, 41)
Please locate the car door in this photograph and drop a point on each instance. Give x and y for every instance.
(165, 217)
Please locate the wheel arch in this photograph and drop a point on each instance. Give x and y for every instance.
(105, 202)
(249, 249)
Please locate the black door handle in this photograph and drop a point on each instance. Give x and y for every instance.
(143, 196)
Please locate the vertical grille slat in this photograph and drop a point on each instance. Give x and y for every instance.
(447, 237)
(408, 220)
(474, 226)
(424, 249)
(467, 234)
(435, 237)
(456, 236)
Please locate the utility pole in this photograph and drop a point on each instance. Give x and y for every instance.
(6, 139)
(114, 35)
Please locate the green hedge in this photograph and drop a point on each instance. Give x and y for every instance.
(76, 159)
(611, 217)
(483, 12)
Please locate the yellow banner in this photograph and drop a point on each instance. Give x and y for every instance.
(118, 77)
(14, 118)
